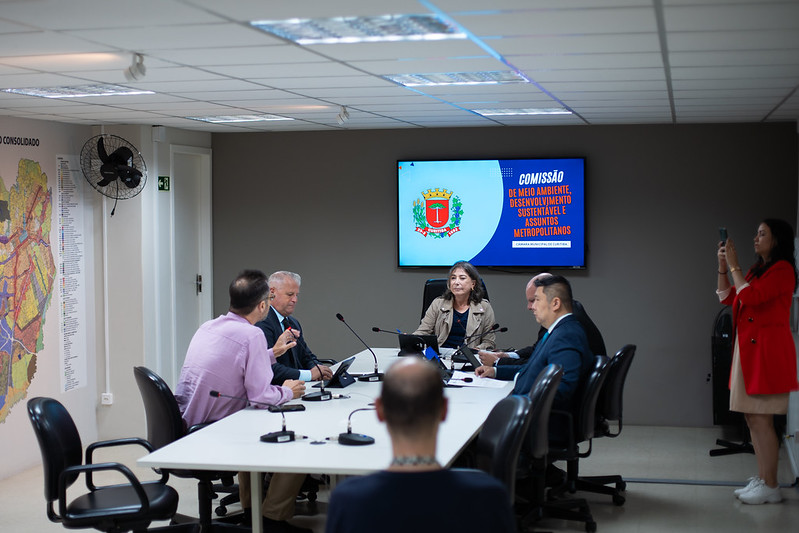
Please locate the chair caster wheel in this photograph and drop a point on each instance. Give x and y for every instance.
(619, 500)
(221, 510)
(590, 527)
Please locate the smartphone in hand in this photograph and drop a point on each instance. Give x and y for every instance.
(723, 234)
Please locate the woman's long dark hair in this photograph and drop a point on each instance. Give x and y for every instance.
(476, 296)
(783, 250)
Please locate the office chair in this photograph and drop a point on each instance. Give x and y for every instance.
(435, 287)
(609, 410)
(129, 506)
(500, 439)
(580, 429)
(164, 426)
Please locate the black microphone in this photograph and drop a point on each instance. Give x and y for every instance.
(355, 439)
(374, 376)
(283, 435)
(321, 395)
(378, 330)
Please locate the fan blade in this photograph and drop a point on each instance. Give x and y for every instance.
(101, 150)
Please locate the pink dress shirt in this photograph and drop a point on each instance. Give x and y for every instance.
(229, 355)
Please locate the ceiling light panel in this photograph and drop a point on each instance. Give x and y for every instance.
(79, 91)
(457, 78)
(349, 30)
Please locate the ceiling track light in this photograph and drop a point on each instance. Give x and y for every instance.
(343, 116)
(136, 70)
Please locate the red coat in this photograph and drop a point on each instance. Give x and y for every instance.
(761, 314)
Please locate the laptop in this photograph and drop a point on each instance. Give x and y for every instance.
(416, 344)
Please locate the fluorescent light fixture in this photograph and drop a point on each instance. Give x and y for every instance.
(349, 30)
(457, 78)
(520, 112)
(79, 91)
(227, 119)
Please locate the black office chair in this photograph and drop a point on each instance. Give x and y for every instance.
(500, 439)
(130, 506)
(435, 287)
(164, 426)
(580, 429)
(609, 411)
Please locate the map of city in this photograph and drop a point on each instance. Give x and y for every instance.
(27, 272)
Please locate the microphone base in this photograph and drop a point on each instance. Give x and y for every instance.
(321, 396)
(355, 439)
(374, 376)
(279, 436)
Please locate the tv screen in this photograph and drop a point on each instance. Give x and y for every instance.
(492, 212)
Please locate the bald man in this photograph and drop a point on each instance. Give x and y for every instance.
(415, 493)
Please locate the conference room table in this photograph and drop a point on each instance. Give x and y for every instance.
(233, 443)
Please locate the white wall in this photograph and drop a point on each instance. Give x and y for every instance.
(137, 267)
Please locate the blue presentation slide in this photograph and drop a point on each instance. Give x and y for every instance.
(499, 212)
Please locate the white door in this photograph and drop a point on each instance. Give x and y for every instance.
(191, 190)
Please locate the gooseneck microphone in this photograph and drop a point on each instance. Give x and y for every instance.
(378, 330)
(321, 395)
(355, 439)
(283, 435)
(374, 376)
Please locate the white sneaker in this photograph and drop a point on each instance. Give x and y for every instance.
(761, 493)
(749, 486)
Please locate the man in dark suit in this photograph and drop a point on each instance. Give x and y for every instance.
(519, 357)
(298, 362)
(565, 343)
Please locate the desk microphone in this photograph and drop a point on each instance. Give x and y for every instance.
(355, 439)
(283, 435)
(378, 330)
(374, 376)
(321, 395)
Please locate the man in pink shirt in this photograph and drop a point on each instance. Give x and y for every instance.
(229, 354)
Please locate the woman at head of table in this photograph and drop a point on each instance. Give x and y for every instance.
(461, 315)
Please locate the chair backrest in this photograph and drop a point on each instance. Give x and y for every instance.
(500, 440)
(609, 406)
(586, 414)
(59, 442)
(435, 287)
(542, 394)
(164, 423)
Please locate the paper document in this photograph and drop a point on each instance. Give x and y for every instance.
(459, 378)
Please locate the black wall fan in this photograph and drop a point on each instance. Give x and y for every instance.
(113, 167)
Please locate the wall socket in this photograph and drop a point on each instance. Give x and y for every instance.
(107, 398)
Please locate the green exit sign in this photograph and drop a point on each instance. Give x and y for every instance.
(163, 183)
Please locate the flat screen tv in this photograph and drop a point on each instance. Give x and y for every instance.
(492, 212)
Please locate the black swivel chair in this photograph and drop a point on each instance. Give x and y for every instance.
(165, 425)
(609, 410)
(580, 429)
(500, 439)
(130, 506)
(435, 287)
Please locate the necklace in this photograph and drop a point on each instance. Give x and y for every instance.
(414, 460)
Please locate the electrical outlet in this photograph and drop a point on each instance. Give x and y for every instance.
(107, 398)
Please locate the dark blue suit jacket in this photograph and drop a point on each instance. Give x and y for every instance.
(289, 364)
(566, 346)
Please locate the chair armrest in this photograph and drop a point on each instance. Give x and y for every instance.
(63, 482)
(117, 442)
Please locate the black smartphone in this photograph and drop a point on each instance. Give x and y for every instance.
(286, 408)
(723, 234)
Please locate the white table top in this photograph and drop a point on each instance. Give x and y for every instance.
(233, 443)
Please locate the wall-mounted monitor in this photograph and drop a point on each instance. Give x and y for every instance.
(492, 212)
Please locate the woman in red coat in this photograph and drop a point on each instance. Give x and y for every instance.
(764, 355)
